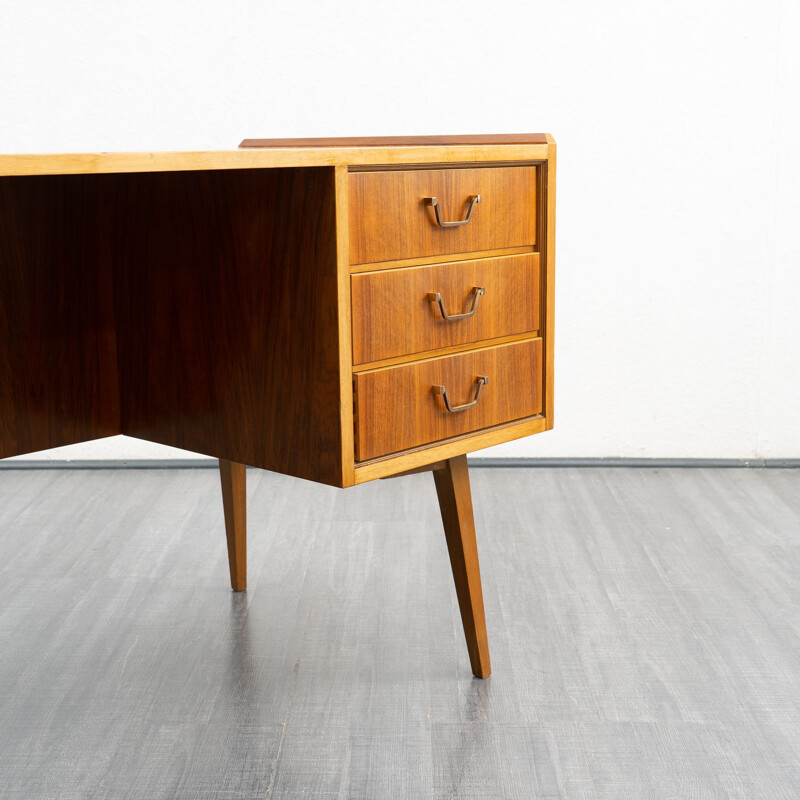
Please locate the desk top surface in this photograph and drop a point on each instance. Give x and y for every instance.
(270, 153)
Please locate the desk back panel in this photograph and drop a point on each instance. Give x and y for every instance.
(58, 370)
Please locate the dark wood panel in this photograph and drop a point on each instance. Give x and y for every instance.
(227, 309)
(396, 408)
(58, 376)
(389, 218)
(401, 141)
(393, 315)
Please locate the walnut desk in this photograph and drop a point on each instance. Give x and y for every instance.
(339, 310)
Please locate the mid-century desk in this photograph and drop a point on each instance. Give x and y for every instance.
(339, 310)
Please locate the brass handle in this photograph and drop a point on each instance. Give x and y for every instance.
(473, 201)
(477, 291)
(481, 380)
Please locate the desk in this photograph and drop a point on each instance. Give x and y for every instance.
(339, 310)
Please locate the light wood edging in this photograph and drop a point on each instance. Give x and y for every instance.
(447, 258)
(94, 163)
(394, 317)
(196, 271)
(344, 317)
(433, 355)
(440, 165)
(549, 296)
(459, 445)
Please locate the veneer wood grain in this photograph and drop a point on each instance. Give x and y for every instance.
(396, 408)
(227, 298)
(548, 224)
(58, 368)
(393, 315)
(389, 218)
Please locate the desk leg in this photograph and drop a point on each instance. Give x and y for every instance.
(455, 501)
(234, 502)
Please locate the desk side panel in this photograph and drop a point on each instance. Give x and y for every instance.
(58, 374)
(226, 291)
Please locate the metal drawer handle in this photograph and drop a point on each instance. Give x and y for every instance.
(481, 380)
(476, 292)
(473, 201)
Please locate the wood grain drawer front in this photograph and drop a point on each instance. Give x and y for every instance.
(396, 313)
(390, 218)
(397, 407)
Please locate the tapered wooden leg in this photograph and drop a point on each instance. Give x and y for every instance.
(455, 502)
(234, 502)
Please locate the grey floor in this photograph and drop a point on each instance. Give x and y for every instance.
(644, 627)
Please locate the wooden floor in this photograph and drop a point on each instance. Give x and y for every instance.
(644, 629)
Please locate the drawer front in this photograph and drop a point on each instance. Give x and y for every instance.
(398, 407)
(390, 218)
(396, 312)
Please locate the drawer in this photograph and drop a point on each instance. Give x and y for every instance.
(401, 407)
(396, 313)
(391, 217)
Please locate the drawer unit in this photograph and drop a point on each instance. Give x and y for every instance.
(405, 311)
(404, 214)
(424, 402)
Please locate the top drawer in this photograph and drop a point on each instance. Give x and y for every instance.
(392, 216)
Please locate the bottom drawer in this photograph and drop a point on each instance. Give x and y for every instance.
(402, 407)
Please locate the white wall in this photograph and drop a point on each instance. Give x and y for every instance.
(679, 176)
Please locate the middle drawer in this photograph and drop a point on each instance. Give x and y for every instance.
(405, 311)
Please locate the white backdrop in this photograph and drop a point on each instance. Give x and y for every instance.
(678, 289)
